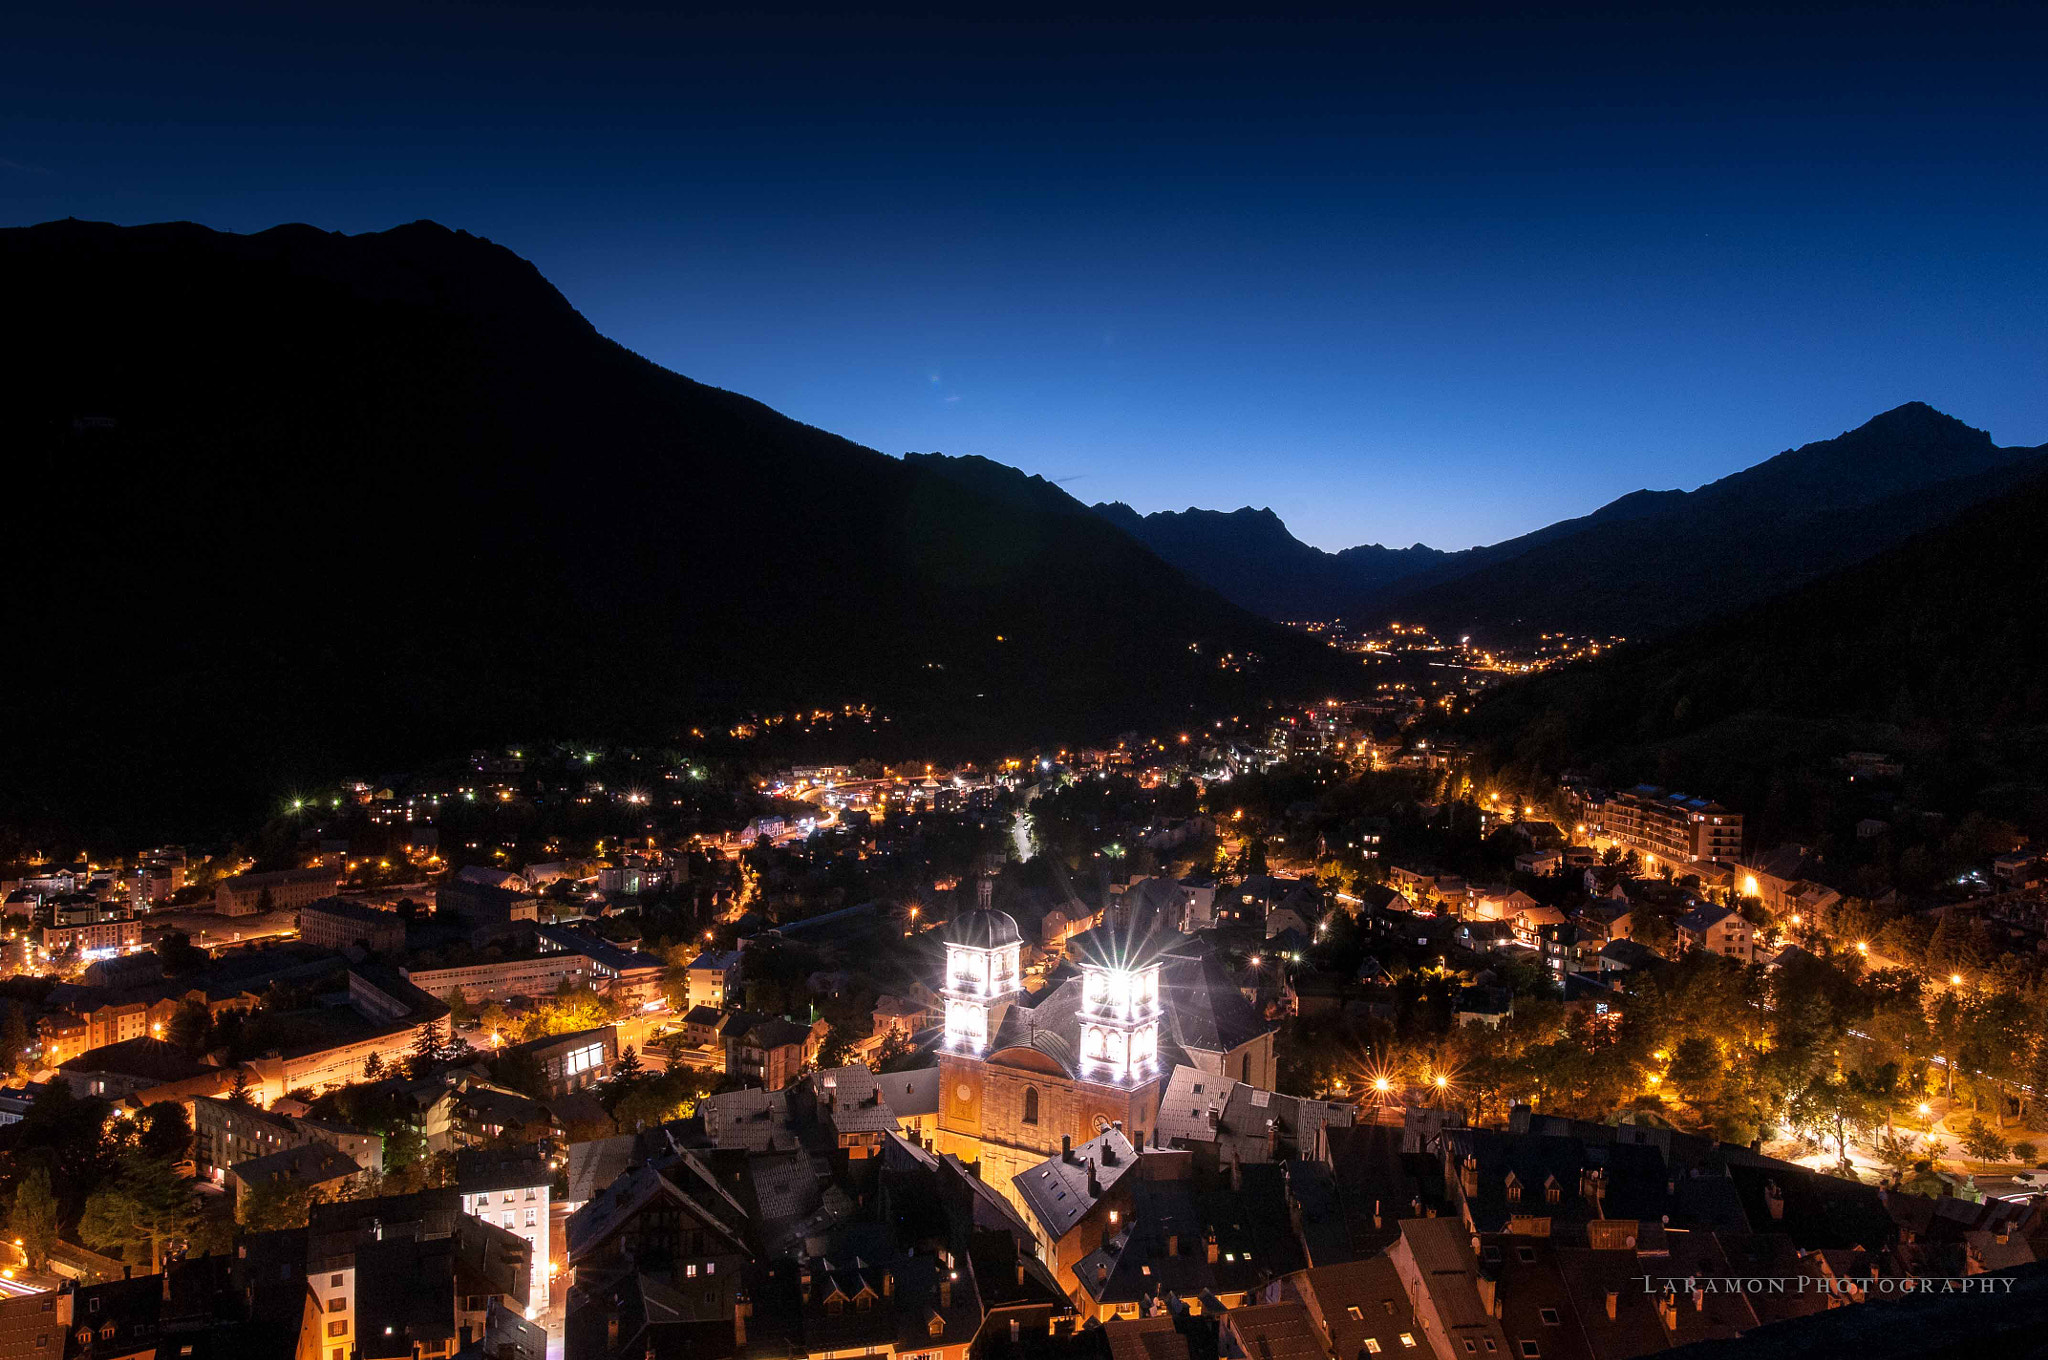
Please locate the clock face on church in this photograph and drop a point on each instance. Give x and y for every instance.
(963, 1093)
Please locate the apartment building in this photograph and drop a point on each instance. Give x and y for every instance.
(283, 890)
(1672, 828)
(333, 923)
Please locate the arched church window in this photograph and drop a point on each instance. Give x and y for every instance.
(1031, 1104)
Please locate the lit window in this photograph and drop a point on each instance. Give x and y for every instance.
(1408, 1340)
(1356, 1312)
(1372, 1345)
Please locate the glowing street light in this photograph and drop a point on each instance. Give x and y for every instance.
(1955, 979)
(1862, 947)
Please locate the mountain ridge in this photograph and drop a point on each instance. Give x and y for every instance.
(1837, 500)
(309, 504)
(1927, 650)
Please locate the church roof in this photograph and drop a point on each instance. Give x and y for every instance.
(983, 929)
(1202, 1010)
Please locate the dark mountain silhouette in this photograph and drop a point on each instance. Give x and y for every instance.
(1646, 563)
(1930, 650)
(1653, 562)
(296, 504)
(1249, 556)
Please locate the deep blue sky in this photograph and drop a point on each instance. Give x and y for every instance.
(1413, 275)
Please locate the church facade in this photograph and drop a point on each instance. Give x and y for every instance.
(1091, 1052)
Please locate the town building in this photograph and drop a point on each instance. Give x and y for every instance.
(282, 890)
(570, 1062)
(513, 1190)
(1074, 1201)
(1019, 1073)
(1672, 828)
(772, 1052)
(1719, 930)
(227, 1133)
(713, 979)
(335, 923)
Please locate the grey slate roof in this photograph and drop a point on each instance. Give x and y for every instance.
(1244, 1123)
(1057, 1189)
(856, 1103)
(911, 1094)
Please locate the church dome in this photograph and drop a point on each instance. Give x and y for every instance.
(983, 928)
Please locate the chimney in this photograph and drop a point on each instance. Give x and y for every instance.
(740, 1309)
(1094, 1185)
(1377, 1221)
(1699, 1298)
(1173, 1244)
(1209, 1246)
(1667, 1311)
(1613, 1303)
(888, 1284)
(1067, 1147)
(1117, 1124)
(1774, 1200)
(803, 1281)
(611, 1330)
(1108, 1153)
(1016, 1329)
(1020, 1269)
(946, 1293)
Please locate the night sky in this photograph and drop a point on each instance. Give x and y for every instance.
(1412, 275)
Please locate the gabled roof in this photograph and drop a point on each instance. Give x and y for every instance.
(911, 1094)
(678, 1178)
(314, 1163)
(1058, 1190)
(1703, 918)
(851, 1098)
(154, 1059)
(1244, 1123)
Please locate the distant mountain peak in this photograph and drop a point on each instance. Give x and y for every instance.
(1918, 420)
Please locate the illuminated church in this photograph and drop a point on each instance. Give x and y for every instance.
(1133, 1000)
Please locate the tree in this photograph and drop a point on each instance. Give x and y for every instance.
(373, 1067)
(14, 1039)
(838, 1046)
(627, 1073)
(2025, 1152)
(33, 1221)
(240, 1092)
(1695, 1066)
(1897, 1152)
(166, 1131)
(459, 1010)
(427, 1046)
(275, 1206)
(1982, 1141)
(189, 1025)
(147, 1210)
